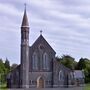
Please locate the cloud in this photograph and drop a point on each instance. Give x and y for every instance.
(65, 26)
(9, 9)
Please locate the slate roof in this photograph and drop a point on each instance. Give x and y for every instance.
(25, 20)
(78, 74)
(41, 39)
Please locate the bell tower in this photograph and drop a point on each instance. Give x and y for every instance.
(24, 69)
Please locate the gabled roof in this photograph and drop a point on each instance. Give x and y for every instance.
(61, 65)
(41, 40)
(78, 74)
(14, 70)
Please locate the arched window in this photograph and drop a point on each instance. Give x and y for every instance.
(45, 61)
(35, 61)
(61, 75)
(71, 75)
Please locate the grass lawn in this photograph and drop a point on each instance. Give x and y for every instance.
(3, 87)
(87, 87)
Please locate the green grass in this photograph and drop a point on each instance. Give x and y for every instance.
(87, 87)
(3, 87)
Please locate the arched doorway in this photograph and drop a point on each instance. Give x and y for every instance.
(40, 82)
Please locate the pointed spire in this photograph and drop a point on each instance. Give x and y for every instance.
(25, 19)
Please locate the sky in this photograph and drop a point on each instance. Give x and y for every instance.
(65, 25)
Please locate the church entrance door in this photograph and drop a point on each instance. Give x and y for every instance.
(40, 82)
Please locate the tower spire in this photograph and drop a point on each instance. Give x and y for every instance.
(24, 74)
(25, 19)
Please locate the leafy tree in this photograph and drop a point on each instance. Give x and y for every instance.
(81, 64)
(84, 64)
(87, 70)
(68, 61)
(2, 67)
(2, 71)
(7, 65)
(5, 69)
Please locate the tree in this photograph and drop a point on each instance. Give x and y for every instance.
(81, 64)
(84, 64)
(2, 67)
(87, 70)
(7, 66)
(68, 61)
(2, 71)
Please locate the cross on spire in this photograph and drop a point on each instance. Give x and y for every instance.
(25, 5)
(41, 32)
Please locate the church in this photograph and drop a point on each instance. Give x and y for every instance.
(38, 66)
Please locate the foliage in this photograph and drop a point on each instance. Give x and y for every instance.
(83, 64)
(68, 61)
(4, 70)
(7, 65)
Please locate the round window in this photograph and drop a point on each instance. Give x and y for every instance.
(41, 47)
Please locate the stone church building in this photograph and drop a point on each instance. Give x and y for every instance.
(39, 67)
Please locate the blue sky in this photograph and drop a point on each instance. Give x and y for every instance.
(65, 25)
